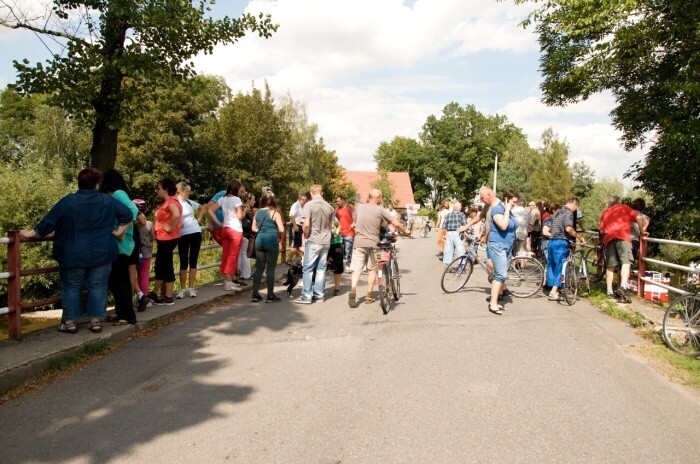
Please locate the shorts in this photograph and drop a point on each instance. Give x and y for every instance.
(618, 252)
(500, 255)
(335, 258)
(362, 257)
(297, 238)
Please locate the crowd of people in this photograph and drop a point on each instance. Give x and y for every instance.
(104, 241)
(510, 228)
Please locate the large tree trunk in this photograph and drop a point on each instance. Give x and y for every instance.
(108, 104)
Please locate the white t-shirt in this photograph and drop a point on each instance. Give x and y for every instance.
(188, 218)
(228, 206)
(296, 211)
(441, 217)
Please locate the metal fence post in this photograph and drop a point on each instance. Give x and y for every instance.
(14, 285)
(641, 266)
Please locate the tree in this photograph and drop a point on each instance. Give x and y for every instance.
(145, 42)
(404, 154)
(517, 165)
(384, 185)
(644, 52)
(583, 177)
(552, 180)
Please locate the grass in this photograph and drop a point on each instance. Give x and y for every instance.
(682, 368)
(599, 299)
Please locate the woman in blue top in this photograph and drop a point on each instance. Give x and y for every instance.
(268, 225)
(500, 245)
(84, 246)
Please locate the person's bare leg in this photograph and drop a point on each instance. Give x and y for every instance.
(371, 278)
(192, 275)
(625, 270)
(496, 288)
(183, 279)
(609, 277)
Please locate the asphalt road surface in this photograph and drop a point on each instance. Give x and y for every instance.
(438, 380)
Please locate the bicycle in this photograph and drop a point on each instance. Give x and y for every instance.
(596, 261)
(525, 275)
(575, 273)
(388, 276)
(681, 325)
(425, 229)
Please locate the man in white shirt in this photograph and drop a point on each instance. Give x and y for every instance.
(296, 218)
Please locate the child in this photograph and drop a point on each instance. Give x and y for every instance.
(143, 269)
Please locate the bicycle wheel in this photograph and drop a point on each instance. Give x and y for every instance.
(456, 274)
(525, 277)
(595, 266)
(681, 327)
(570, 287)
(383, 292)
(395, 279)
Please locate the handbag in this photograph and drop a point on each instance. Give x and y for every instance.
(250, 252)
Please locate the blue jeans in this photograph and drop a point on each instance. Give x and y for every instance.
(500, 254)
(454, 247)
(315, 258)
(558, 251)
(347, 248)
(73, 279)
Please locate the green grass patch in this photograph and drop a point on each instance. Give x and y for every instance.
(682, 368)
(599, 299)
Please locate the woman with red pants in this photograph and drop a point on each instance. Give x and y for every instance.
(232, 234)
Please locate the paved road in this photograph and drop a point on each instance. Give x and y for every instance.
(440, 379)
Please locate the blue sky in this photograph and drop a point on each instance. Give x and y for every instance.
(368, 70)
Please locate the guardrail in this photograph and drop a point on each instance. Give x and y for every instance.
(14, 274)
(643, 260)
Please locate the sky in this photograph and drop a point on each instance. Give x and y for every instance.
(370, 70)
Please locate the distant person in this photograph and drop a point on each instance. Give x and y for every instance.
(147, 238)
(190, 242)
(454, 223)
(249, 210)
(167, 232)
(318, 220)
(268, 225)
(563, 233)
(615, 225)
(344, 212)
(232, 235)
(297, 220)
(86, 225)
(113, 184)
(636, 233)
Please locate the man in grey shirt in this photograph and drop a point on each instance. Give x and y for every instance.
(318, 220)
(368, 221)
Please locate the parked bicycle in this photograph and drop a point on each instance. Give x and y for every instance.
(575, 274)
(681, 324)
(425, 229)
(525, 275)
(388, 275)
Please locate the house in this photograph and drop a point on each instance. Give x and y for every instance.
(363, 180)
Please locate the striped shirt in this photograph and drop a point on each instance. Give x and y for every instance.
(562, 219)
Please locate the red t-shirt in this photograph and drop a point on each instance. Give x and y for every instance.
(344, 215)
(616, 221)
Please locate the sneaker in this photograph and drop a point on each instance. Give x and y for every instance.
(144, 303)
(192, 293)
(231, 287)
(624, 296)
(352, 301)
(164, 301)
(135, 303)
(336, 292)
(181, 294)
(302, 300)
(611, 297)
(240, 283)
(256, 298)
(316, 299)
(272, 299)
(152, 296)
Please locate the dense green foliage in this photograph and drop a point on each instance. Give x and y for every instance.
(647, 54)
(147, 42)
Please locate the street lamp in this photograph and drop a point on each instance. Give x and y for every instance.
(495, 168)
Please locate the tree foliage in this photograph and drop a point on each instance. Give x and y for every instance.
(584, 178)
(149, 42)
(384, 185)
(404, 154)
(552, 179)
(647, 54)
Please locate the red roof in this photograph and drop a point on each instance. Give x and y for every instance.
(403, 193)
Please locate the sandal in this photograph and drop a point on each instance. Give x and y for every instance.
(369, 299)
(552, 297)
(95, 326)
(121, 322)
(68, 327)
(498, 311)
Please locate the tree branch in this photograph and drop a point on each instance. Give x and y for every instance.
(40, 30)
